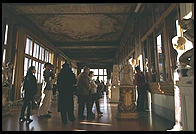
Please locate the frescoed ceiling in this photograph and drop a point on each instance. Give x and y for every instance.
(79, 25)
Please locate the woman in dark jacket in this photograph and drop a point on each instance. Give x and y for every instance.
(30, 90)
(65, 81)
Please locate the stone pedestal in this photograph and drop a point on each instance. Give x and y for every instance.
(186, 86)
(5, 93)
(115, 94)
(115, 85)
(5, 108)
(126, 105)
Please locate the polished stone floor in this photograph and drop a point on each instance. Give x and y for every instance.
(146, 122)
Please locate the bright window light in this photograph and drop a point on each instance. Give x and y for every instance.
(188, 16)
(6, 32)
(95, 123)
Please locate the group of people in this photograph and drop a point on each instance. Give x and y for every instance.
(88, 93)
(30, 89)
(101, 86)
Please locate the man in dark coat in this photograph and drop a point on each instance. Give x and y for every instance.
(65, 82)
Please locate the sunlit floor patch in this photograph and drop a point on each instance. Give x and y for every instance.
(79, 129)
(95, 123)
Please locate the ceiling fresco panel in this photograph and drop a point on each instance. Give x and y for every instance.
(81, 27)
(72, 8)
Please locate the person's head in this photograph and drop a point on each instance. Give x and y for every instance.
(86, 70)
(97, 78)
(137, 68)
(65, 66)
(91, 74)
(51, 66)
(31, 70)
(47, 65)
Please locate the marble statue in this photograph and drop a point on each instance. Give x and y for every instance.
(6, 82)
(115, 75)
(126, 79)
(7, 74)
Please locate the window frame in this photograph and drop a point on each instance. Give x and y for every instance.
(40, 60)
(5, 44)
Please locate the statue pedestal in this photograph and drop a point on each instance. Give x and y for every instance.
(126, 105)
(186, 86)
(5, 93)
(115, 94)
(5, 108)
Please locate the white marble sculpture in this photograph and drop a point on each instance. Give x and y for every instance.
(126, 79)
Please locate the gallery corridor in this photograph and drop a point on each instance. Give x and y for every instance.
(146, 122)
(131, 51)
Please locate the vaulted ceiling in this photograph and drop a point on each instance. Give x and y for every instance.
(87, 33)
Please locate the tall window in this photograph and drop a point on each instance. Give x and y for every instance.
(4, 52)
(29, 46)
(5, 43)
(6, 33)
(27, 64)
(36, 55)
(36, 50)
(161, 58)
(46, 55)
(152, 59)
(101, 73)
(50, 57)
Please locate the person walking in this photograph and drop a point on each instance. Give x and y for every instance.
(65, 82)
(47, 87)
(99, 87)
(84, 99)
(30, 90)
(139, 81)
(94, 94)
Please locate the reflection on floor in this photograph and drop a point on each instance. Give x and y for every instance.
(147, 121)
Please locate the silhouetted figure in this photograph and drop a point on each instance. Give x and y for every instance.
(94, 93)
(102, 87)
(99, 87)
(30, 90)
(139, 80)
(47, 87)
(84, 94)
(97, 80)
(65, 82)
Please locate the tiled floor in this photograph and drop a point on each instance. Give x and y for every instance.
(146, 122)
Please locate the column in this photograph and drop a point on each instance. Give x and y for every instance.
(186, 86)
